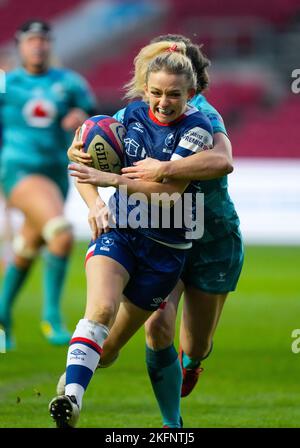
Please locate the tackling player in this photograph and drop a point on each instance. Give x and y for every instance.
(147, 258)
(41, 105)
(213, 265)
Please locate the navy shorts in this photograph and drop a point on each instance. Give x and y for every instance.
(154, 268)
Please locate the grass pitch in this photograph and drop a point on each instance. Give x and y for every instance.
(250, 380)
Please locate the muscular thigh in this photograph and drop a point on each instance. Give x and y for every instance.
(153, 269)
(106, 280)
(39, 198)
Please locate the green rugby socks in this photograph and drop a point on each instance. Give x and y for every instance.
(166, 378)
(54, 276)
(14, 278)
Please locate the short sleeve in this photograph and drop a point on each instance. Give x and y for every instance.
(193, 141)
(81, 94)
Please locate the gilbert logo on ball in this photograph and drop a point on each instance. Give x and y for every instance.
(103, 138)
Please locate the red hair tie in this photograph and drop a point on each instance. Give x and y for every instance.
(173, 48)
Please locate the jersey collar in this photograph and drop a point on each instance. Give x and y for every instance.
(153, 118)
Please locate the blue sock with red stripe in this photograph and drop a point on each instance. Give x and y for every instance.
(83, 356)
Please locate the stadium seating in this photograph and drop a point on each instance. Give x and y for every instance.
(238, 99)
(270, 133)
(12, 15)
(108, 78)
(278, 13)
(230, 27)
(230, 97)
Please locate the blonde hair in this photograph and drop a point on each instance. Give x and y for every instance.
(165, 55)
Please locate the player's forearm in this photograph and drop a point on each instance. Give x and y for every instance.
(89, 193)
(205, 165)
(148, 188)
(89, 177)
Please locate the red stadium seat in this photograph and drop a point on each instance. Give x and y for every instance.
(12, 15)
(273, 133)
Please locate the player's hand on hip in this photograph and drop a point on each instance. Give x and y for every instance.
(99, 218)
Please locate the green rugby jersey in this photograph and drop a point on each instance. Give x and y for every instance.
(31, 112)
(220, 217)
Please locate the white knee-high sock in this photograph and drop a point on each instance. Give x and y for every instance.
(83, 356)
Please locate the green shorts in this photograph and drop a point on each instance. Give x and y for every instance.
(215, 267)
(12, 174)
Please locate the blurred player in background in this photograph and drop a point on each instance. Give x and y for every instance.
(213, 265)
(7, 63)
(41, 105)
(143, 263)
(6, 235)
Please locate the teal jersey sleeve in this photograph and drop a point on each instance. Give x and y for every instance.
(201, 103)
(220, 217)
(81, 95)
(120, 115)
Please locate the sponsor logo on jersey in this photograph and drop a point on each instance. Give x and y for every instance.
(39, 112)
(196, 139)
(138, 127)
(169, 140)
(133, 148)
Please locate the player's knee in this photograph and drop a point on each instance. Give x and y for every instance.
(159, 333)
(62, 243)
(104, 314)
(23, 251)
(58, 235)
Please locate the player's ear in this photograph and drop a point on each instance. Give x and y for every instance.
(191, 93)
(146, 91)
